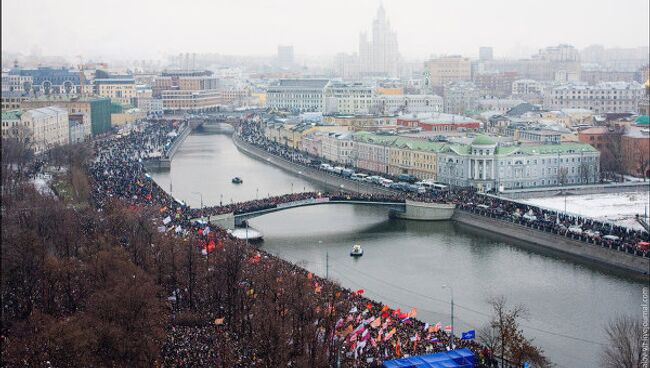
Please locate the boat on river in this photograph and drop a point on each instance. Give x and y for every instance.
(237, 180)
(356, 251)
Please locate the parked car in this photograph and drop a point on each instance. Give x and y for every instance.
(386, 183)
(407, 178)
(338, 169)
(347, 173)
(359, 176)
(325, 167)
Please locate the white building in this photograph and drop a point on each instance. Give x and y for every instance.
(485, 165)
(390, 104)
(347, 98)
(601, 98)
(40, 129)
(460, 97)
(338, 147)
(526, 87)
(150, 105)
(502, 105)
(381, 56)
(296, 94)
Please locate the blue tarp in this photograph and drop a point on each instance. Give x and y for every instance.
(461, 358)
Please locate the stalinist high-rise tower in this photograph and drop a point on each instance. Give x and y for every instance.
(381, 56)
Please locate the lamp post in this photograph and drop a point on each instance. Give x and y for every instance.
(451, 338)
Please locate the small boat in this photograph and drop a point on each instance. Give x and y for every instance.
(356, 251)
(237, 180)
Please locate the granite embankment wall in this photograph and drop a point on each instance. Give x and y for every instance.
(320, 177)
(596, 254)
(166, 162)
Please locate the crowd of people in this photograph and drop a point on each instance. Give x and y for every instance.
(378, 333)
(587, 230)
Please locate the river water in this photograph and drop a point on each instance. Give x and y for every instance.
(405, 263)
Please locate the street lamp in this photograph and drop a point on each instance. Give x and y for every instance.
(451, 338)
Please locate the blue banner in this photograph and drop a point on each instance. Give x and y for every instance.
(469, 335)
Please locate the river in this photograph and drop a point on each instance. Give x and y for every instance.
(405, 263)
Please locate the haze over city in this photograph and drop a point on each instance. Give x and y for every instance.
(151, 29)
(325, 183)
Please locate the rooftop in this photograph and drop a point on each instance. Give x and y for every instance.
(483, 140)
(11, 115)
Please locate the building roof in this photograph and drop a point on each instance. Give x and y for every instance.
(642, 120)
(399, 142)
(11, 115)
(303, 83)
(594, 130)
(483, 140)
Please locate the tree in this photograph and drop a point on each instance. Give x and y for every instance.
(510, 342)
(625, 347)
(562, 175)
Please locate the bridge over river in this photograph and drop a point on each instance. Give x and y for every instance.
(407, 209)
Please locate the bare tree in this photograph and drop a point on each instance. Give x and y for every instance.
(562, 175)
(625, 348)
(510, 342)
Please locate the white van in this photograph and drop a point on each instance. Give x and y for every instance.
(386, 182)
(359, 176)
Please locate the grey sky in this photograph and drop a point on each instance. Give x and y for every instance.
(152, 28)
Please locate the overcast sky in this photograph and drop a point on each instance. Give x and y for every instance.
(153, 28)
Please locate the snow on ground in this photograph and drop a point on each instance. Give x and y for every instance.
(619, 208)
(42, 184)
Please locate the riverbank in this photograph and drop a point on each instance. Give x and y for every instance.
(320, 177)
(618, 262)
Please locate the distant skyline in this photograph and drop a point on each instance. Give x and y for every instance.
(150, 29)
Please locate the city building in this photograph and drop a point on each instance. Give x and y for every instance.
(487, 166)
(337, 147)
(40, 129)
(485, 53)
(347, 98)
(150, 105)
(47, 80)
(285, 57)
(527, 87)
(188, 91)
(296, 94)
(461, 97)
(380, 56)
(395, 155)
(495, 84)
(438, 122)
(120, 90)
(500, 105)
(96, 111)
(11, 100)
(394, 103)
(616, 97)
(444, 70)
(360, 121)
(635, 144)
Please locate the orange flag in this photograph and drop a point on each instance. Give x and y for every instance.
(384, 308)
(345, 332)
(413, 313)
(390, 334)
(376, 323)
(369, 306)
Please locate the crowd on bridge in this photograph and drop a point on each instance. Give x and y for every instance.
(366, 332)
(591, 231)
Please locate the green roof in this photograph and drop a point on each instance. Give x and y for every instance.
(11, 115)
(642, 120)
(483, 140)
(399, 142)
(556, 148)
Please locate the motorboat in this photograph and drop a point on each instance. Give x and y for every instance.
(356, 251)
(237, 180)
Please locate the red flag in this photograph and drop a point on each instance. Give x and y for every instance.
(359, 292)
(448, 328)
(210, 247)
(369, 306)
(398, 350)
(201, 232)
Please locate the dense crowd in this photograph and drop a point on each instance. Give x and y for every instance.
(363, 332)
(587, 230)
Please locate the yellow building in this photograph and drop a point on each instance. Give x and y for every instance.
(126, 117)
(358, 122)
(119, 90)
(390, 91)
(291, 135)
(413, 157)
